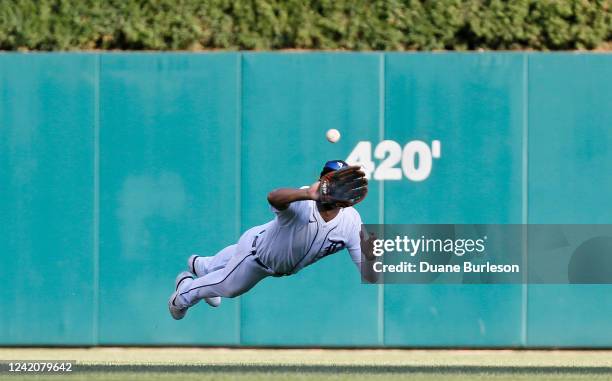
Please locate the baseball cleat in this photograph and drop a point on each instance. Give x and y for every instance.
(215, 301)
(176, 311)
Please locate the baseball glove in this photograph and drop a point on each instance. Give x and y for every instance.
(344, 187)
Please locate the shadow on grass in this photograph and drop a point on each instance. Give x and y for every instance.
(338, 369)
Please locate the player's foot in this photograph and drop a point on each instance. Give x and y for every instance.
(175, 309)
(215, 301)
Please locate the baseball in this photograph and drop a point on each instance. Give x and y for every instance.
(333, 135)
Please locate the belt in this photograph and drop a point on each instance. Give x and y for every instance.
(254, 245)
(259, 261)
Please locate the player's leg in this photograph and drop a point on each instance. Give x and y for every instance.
(178, 305)
(201, 266)
(240, 275)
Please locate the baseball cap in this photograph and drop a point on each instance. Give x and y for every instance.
(333, 165)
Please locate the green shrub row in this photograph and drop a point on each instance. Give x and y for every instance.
(305, 24)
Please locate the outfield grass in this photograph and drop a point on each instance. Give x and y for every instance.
(316, 364)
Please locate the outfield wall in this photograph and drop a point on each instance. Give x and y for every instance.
(115, 167)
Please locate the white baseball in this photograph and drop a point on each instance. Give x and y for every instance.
(333, 135)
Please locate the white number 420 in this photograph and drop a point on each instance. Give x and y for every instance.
(416, 159)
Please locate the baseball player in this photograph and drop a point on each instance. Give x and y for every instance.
(311, 223)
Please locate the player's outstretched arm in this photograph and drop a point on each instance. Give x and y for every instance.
(281, 198)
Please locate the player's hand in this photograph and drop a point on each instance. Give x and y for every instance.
(313, 191)
(367, 244)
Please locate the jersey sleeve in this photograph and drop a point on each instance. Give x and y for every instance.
(294, 210)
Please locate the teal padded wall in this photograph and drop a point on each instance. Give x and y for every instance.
(473, 103)
(570, 181)
(288, 103)
(115, 167)
(167, 149)
(47, 266)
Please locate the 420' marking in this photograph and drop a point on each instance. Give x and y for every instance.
(416, 159)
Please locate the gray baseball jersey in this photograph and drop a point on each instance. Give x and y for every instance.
(299, 237)
(296, 238)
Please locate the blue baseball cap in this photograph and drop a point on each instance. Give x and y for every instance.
(333, 165)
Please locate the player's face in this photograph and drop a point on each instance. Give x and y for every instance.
(327, 206)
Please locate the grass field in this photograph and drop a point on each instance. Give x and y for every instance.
(317, 364)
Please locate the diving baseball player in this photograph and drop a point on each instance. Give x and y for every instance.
(310, 223)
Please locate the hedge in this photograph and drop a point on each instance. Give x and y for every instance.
(305, 24)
